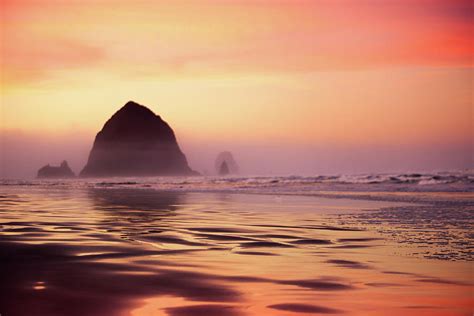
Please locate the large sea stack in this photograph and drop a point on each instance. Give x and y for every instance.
(136, 142)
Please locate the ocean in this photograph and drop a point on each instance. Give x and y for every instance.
(379, 244)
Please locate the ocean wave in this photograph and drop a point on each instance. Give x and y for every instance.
(442, 181)
(413, 178)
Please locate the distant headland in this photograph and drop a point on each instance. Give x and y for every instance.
(63, 171)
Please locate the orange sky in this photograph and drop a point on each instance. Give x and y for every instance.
(343, 72)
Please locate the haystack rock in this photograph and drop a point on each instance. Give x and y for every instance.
(63, 171)
(136, 142)
(225, 164)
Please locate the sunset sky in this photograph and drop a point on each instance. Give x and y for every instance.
(327, 86)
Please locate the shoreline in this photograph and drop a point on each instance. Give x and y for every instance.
(188, 251)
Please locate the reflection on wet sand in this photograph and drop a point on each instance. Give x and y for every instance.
(140, 252)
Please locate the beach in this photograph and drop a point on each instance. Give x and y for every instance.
(236, 158)
(129, 248)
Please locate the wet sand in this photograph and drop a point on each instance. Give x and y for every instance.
(79, 251)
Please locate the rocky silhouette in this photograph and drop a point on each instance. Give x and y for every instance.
(63, 171)
(224, 169)
(136, 142)
(230, 163)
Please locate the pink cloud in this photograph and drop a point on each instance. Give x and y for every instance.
(33, 58)
(235, 36)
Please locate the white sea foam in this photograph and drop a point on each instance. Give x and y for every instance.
(413, 182)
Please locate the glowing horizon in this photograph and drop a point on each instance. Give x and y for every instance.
(320, 73)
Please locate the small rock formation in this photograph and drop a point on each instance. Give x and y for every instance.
(230, 164)
(63, 171)
(136, 142)
(224, 170)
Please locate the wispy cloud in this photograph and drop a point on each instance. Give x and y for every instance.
(226, 37)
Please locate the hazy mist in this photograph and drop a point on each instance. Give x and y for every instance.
(22, 154)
